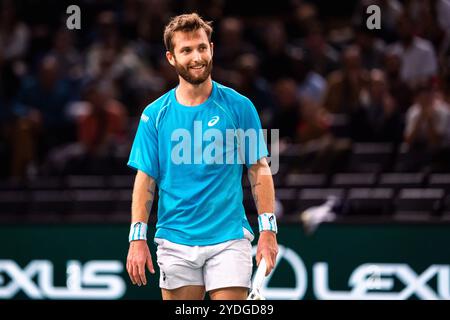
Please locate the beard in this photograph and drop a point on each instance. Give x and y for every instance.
(186, 74)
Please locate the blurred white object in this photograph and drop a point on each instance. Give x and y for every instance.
(279, 209)
(313, 216)
(258, 280)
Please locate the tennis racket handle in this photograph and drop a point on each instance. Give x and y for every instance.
(260, 274)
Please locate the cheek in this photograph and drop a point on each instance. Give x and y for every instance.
(207, 56)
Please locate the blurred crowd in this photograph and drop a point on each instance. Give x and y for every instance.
(70, 99)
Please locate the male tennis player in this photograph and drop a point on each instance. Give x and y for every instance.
(183, 145)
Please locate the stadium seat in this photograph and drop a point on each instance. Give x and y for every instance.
(367, 201)
(93, 201)
(122, 203)
(121, 181)
(371, 157)
(49, 202)
(401, 180)
(313, 197)
(288, 198)
(418, 203)
(45, 183)
(85, 182)
(9, 185)
(446, 208)
(297, 180)
(439, 180)
(13, 202)
(353, 180)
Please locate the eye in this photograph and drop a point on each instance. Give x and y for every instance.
(186, 50)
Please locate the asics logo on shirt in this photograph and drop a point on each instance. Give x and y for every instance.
(213, 121)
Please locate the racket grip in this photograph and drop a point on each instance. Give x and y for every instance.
(260, 274)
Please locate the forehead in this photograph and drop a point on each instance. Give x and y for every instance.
(191, 38)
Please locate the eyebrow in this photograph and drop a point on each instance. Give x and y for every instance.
(189, 47)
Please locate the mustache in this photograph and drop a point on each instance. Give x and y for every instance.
(204, 63)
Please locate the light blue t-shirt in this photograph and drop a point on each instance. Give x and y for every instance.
(196, 155)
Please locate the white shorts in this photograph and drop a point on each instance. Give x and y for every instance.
(227, 264)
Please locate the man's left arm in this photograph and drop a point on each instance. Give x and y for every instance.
(263, 192)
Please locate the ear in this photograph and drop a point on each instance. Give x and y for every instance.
(170, 57)
(212, 48)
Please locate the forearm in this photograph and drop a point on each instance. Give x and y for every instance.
(143, 196)
(262, 187)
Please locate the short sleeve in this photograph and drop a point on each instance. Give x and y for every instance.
(144, 152)
(251, 136)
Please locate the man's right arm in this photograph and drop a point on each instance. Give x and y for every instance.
(143, 196)
(139, 253)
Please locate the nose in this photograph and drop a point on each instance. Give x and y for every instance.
(196, 57)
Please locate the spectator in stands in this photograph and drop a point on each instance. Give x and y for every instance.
(428, 25)
(301, 17)
(371, 47)
(346, 86)
(320, 150)
(427, 122)
(67, 55)
(311, 86)
(256, 88)
(287, 116)
(324, 58)
(152, 16)
(46, 97)
(378, 119)
(14, 34)
(398, 88)
(113, 61)
(16, 129)
(101, 126)
(418, 58)
(276, 61)
(231, 46)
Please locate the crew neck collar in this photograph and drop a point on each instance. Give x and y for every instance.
(196, 107)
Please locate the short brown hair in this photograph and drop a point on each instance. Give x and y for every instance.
(186, 23)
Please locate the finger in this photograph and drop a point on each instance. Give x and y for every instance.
(136, 274)
(269, 263)
(141, 270)
(258, 258)
(273, 259)
(128, 270)
(149, 264)
(269, 266)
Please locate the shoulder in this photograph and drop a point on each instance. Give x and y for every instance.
(230, 98)
(442, 108)
(423, 44)
(154, 109)
(413, 111)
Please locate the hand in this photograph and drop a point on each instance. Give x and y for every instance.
(138, 257)
(267, 249)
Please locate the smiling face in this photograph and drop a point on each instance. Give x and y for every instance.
(191, 56)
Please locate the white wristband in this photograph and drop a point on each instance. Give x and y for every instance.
(138, 231)
(267, 221)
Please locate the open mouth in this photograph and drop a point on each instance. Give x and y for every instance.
(198, 67)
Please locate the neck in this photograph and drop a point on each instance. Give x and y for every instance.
(191, 95)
